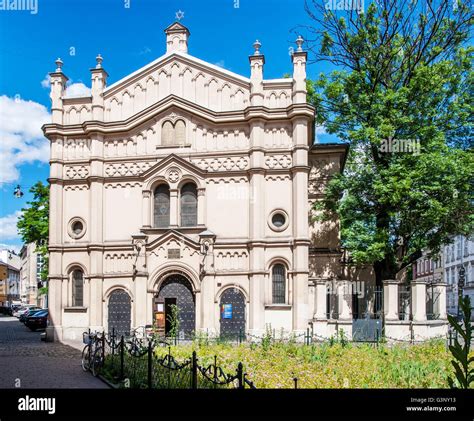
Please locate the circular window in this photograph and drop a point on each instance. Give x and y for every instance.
(278, 220)
(76, 228)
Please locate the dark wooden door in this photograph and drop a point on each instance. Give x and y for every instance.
(119, 312)
(232, 313)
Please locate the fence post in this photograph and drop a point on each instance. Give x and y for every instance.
(240, 376)
(122, 346)
(307, 336)
(103, 346)
(113, 341)
(150, 361)
(194, 377)
(240, 336)
(295, 379)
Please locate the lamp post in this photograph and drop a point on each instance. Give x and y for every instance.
(461, 280)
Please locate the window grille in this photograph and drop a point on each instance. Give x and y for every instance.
(278, 282)
(189, 205)
(77, 289)
(162, 206)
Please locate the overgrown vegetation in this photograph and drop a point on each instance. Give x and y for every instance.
(337, 365)
(462, 361)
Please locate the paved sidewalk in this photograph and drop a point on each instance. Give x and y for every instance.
(28, 362)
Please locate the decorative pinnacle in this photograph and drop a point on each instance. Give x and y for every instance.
(59, 65)
(256, 45)
(99, 61)
(299, 43)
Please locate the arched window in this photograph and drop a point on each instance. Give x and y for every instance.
(162, 206)
(173, 134)
(189, 205)
(167, 133)
(278, 284)
(180, 133)
(77, 288)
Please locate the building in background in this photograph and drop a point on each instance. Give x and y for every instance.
(30, 274)
(10, 288)
(459, 253)
(429, 270)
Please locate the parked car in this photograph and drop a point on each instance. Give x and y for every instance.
(38, 320)
(13, 308)
(24, 308)
(29, 312)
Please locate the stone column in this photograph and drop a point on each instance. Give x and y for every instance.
(201, 206)
(58, 85)
(299, 59)
(344, 296)
(321, 300)
(418, 300)
(390, 299)
(99, 82)
(440, 291)
(257, 228)
(146, 209)
(173, 207)
(257, 60)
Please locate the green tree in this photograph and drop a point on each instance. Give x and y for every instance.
(403, 75)
(33, 224)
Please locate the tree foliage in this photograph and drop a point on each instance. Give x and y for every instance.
(462, 361)
(403, 77)
(33, 224)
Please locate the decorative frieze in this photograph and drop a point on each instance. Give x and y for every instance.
(126, 168)
(237, 163)
(278, 161)
(74, 172)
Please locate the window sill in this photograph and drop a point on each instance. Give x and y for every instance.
(277, 306)
(154, 230)
(75, 309)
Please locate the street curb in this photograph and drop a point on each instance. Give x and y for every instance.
(107, 382)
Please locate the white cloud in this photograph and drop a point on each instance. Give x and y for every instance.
(320, 130)
(144, 50)
(8, 230)
(15, 247)
(77, 90)
(21, 137)
(46, 82)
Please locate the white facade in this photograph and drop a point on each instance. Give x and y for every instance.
(30, 275)
(459, 253)
(186, 183)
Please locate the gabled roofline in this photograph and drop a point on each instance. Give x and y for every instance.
(176, 234)
(186, 57)
(173, 158)
(213, 117)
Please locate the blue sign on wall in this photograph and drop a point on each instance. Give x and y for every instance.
(226, 311)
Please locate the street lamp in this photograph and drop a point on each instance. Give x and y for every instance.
(461, 280)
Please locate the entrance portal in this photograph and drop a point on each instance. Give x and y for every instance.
(176, 290)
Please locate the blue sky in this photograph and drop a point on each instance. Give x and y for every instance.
(128, 34)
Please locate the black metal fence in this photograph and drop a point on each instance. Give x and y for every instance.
(147, 362)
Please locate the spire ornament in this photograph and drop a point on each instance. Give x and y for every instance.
(59, 65)
(256, 45)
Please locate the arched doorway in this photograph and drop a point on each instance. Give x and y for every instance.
(175, 290)
(119, 312)
(232, 313)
